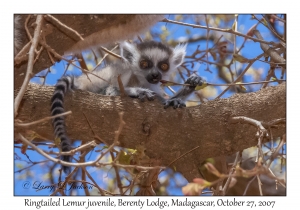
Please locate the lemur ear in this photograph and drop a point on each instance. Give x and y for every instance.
(127, 51)
(178, 54)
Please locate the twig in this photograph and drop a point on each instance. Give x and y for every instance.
(259, 185)
(207, 33)
(28, 75)
(234, 50)
(26, 27)
(140, 38)
(209, 62)
(38, 54)
(268, 50)
(248, 83)
(276, 180)
(213, 84)
(260, 154)
(110, 52)
(277, 121)
(49, 70)
(121, 86)
(81, 61)
(95, 136)
(182, 156)
(22, 138)
(73, 151)
(22, 55)
(90, 163)
(173, 91)
(117, 135)
(119, 182)
(121, 126)
(106, 54)
(250, 121)
(271, 73)
(33, 164)
(241, 75)
(67, 65)
(249, 185)
(65, 29)
(278, 18)
(83, 174)
(275, 153)
(261, 133)
(62, 58)
(64, 183)
(50, 57)
(95, 183)
(132, 183)
(225, 188)
(271, 29)
(144, 168)
(42, 120)
(218, 29)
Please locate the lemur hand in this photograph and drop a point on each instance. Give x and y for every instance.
(174, 102)
(140, 93)
(194, 81)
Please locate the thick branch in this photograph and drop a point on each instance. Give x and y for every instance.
(166, 134)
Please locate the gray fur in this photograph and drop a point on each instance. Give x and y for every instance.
(138, 82)
(134, 53)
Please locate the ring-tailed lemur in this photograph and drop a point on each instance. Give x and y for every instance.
(141, 69)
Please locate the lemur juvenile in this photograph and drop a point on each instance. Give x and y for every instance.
(142, 67)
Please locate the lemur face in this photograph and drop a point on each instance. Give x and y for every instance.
(153, 60)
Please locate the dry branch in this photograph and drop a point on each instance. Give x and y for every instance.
(172, 132)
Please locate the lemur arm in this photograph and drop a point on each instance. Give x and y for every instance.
(177, 101)
(133, 92)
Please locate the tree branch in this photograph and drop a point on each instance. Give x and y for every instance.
(28, 76)
(171, 132)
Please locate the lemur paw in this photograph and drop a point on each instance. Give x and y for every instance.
(142, 94)
(175, 103)
(195, 80)
(149, 94)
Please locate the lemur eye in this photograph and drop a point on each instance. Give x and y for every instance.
(144, 64)
(164, 66)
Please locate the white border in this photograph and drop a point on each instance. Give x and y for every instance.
(154, 6)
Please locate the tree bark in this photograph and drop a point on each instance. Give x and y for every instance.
(166, 133)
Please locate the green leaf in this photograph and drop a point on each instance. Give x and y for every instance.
(199, 87)
(241, 86)
(240, 58)
(187, 31)
(265, 22)
(233, 26)
(57, 142)
(124, 158)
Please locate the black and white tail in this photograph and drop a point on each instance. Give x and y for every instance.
(57, 107)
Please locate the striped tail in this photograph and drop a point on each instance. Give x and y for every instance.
(57, 107)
